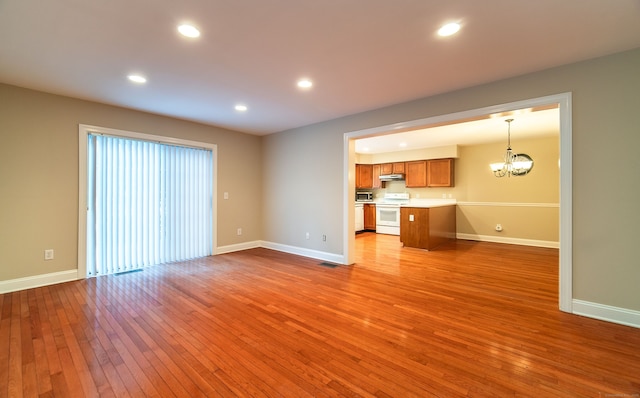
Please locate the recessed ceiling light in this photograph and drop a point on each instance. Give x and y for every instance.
(188, 31)
(241, 108)
(305, 83)
(449, 29)
(137, 79)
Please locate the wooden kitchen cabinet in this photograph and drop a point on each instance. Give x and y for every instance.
(364, 176)
(386, 168)
(392, 168)
(376, 177)
(370, 216)
(416, 174)
(430, 173)
(427, 228)
(398, 167)
(440, 172)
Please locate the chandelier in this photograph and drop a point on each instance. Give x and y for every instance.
(514, 164)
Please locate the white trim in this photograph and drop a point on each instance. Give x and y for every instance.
(510, 241)
(565, 274)
(300, 251)
(348, 200)
(83, 132)
(566, 234)
(30, 282)
(607, 313)
(508, 204)
(238, 247)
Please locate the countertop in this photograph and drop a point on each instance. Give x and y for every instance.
(427, 203)
(424, 203)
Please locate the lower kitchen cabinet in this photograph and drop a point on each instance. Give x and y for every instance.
(370, 217)
(427, 228)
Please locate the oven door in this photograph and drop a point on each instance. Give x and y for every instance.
(388, 216)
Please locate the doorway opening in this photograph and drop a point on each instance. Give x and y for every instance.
(561, 101)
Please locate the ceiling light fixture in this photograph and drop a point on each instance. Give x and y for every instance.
(137, 79)
(305, 83)
(241, 108)
(449, 29)
(188, 31)
(516, 164)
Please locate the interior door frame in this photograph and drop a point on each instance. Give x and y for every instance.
(562, 100)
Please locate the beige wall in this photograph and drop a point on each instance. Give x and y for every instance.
(39, 175)
(526, 207)
(605, 189)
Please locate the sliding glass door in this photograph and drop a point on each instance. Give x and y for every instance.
(148, 203)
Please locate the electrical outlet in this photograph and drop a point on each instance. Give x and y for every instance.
(48, 254)
(239, 231)
(306, 235)
(324, 238)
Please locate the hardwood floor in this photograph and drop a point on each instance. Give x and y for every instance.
(469, 319)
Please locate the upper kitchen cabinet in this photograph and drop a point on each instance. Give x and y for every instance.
(376, 169)
(399, 168)
(429, 173)
(440, 172)
(416, 174)
(364, 176)
(392, 168)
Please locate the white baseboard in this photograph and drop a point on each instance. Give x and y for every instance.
(511, 241)
(29, 282)
(237, 247)
(607, 313)
(300, 251)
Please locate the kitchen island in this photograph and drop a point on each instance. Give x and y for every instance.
(427, 224)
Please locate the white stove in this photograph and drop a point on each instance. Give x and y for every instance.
(394, 199)
(388, 213)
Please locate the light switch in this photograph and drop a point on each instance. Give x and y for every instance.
(225, 195)
(410, 217)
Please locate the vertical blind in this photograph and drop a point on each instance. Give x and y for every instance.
(148, 204)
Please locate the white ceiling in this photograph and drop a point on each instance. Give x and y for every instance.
(526, 123)
(361, 54)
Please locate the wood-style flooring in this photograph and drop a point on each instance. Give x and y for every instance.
(470, 319)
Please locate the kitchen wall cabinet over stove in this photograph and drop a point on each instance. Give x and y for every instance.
(392, 168)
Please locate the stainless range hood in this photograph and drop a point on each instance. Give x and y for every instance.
(392, 177)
